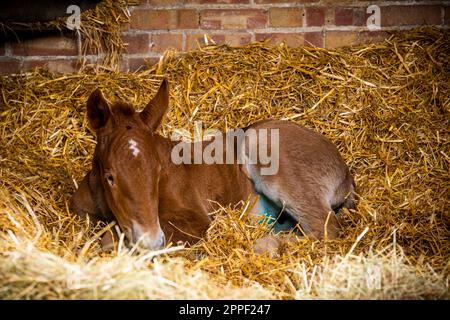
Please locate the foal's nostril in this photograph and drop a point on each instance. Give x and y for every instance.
(162, 240)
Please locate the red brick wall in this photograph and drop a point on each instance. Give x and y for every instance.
(159, 25)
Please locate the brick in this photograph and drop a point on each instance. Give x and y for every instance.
(53, 45)
(125, 26)
(193, 41)
(62, 66)
(336, 39)
(9, 66)
(285, 17)
(135, 64)
(290, 39)
(58, 65)
(368, 37)
(188, 19)
(410, 15)
(314, 39)
(123, 64)
(210, 24)
(80, 62)
(360, 16)
(136, 43)
(233, 19)
(329, 16)
(33, 64)
(148, 19)
(343, 16)
(315, 16)
(285, 1)
(166, 41)
(151, 19)
(165, 2)
(218, 1)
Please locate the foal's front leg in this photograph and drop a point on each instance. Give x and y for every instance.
(83, 205)
(272, 243)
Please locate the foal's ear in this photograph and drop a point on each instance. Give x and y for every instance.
(155, 109)
(98, 111)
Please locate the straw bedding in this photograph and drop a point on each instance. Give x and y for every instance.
(386, 107)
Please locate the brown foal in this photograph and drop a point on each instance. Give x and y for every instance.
(135, 181)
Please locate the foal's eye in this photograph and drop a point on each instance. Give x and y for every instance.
(109, 178)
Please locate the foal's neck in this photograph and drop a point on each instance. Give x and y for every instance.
(164, 147)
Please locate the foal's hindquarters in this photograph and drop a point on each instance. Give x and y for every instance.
(312, 181)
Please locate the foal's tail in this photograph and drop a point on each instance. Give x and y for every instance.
(347, 193)
(350, 200)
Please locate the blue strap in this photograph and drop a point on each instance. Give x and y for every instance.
(269, 213)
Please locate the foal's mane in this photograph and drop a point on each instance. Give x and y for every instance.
(122, 109)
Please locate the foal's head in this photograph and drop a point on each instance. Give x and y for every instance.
(126, 164)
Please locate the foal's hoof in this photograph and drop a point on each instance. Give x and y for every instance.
(267, 245)
(109, 241)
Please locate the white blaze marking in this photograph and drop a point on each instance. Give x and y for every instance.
(133, 147)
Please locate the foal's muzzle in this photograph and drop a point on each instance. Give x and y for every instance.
(147, 240)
